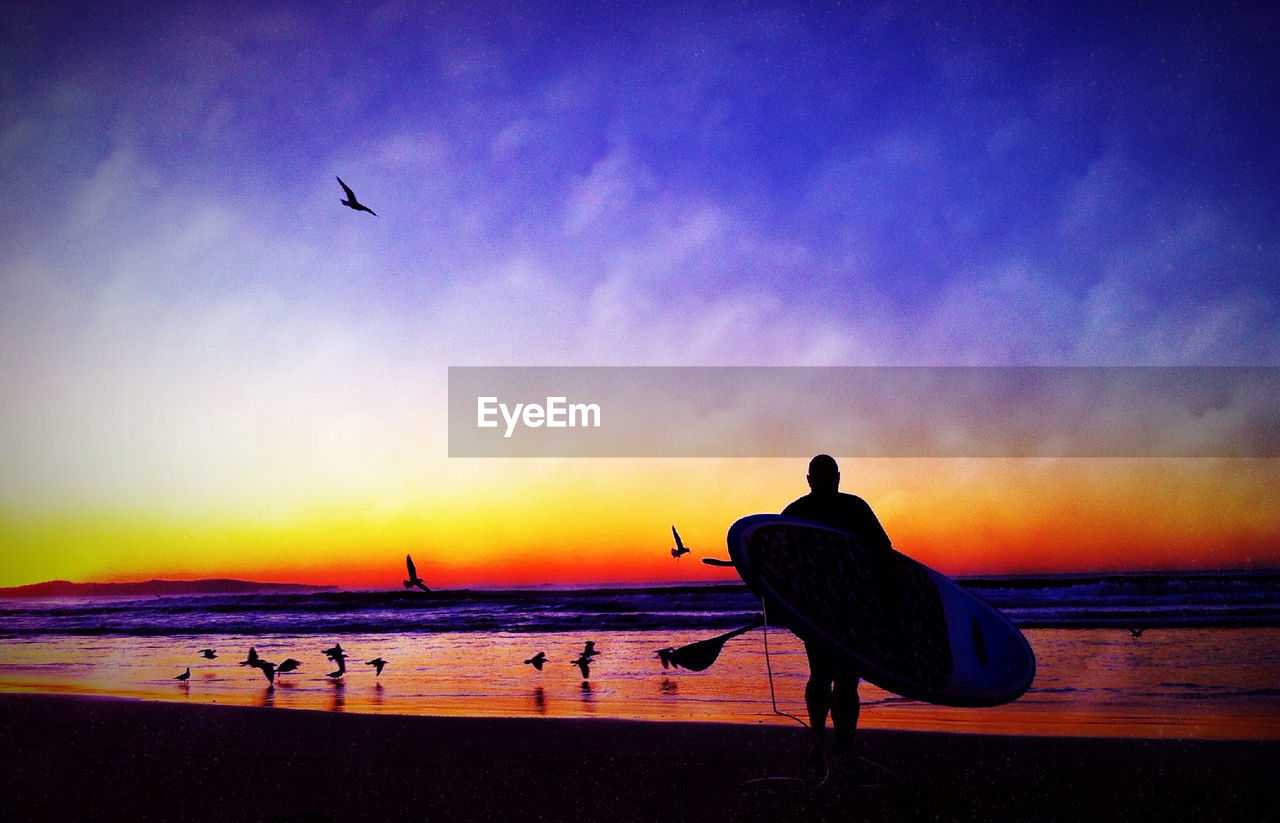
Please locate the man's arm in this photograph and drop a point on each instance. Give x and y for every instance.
(869, 527)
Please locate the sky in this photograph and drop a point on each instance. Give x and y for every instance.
(213, 368)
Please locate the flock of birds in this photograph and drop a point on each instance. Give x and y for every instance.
(669, 656)
(270, 670)
(589, 651)
(339, 657)
(694, 656)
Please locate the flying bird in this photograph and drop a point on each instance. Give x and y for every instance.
(288, 665)
(413, 580)
(268, 670)
(537, 660)
(351, 201)
(337, 655)
(377, 663)
(589, 650)
(208, 654)
(679, 547)
(583, 663)
(252, 659)
(184, 676)
(1136, 632)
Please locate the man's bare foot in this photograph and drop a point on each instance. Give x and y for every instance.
(817, 758)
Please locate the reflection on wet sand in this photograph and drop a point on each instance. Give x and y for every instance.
(1100, 682)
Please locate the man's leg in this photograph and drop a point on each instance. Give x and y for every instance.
(817, 698)
(845, 708)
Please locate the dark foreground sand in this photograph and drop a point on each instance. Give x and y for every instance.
(67, 758)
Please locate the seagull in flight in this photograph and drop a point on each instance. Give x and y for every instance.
(337, 655)
(679, 547)
(352, 202)
(184, 676)
(252, 659)
(377, 663)
(208, 654)
(288, 665)
(584, 663)
(537, 660)
(268, 670)
(589, 650)
(413, 580)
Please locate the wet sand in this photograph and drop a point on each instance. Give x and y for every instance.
(78, 758)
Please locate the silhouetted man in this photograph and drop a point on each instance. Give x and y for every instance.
(832, 685)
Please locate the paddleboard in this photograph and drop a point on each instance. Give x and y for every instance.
(905, 627)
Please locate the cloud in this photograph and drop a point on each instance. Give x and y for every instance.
(189, 304)
(612, 184)
(1011, 315)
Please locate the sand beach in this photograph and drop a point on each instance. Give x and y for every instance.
(101, 758)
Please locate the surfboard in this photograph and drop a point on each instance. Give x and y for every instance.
(905, 627)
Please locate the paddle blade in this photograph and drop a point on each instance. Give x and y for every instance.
(700, 655)
(697, 656)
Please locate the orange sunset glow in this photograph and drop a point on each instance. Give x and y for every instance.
(582, 522)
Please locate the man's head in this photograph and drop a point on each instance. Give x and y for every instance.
(824, 475)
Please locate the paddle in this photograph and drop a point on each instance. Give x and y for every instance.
(699, 655)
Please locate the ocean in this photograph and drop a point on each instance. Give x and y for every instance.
(1145, 655)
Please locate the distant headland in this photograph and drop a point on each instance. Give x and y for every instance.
(65, 588)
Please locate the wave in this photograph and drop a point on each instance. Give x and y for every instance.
(1141, 600)
(400, 612)
(1129, 601)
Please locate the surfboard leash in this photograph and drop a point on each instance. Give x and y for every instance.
(773, 697)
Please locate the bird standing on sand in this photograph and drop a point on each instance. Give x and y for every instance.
(537, 660)
(184, 676)
(208, 654)
(377, 663)
(351, 201)
(413, 580)
(679, 547)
